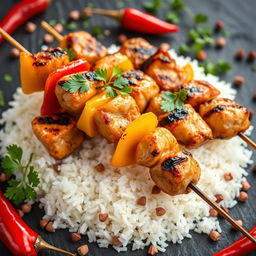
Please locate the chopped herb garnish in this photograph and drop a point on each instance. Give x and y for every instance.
(63, 22)
(221, 67)
(120, 84)
(96, 31)
(177, 4)
(225, 33)
(184, 49)
(152, 6)
(52, 23)
(1, 98)
(85, 24)
(119, 4)
(8, 78)
(172, 17)
(173, 100)
(72, 25)
(90, 5)
(23, 188)
(253, 68)
(77, 82)
(70, 53)
(200, 18)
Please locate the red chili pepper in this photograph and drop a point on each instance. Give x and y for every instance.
(241, 247)
(14, 232)
(50, 104)
(138, 21)
(20, 13)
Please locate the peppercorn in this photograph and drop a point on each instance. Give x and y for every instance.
(251, 56)
(30, 27)
(220, 42)
(228, 176)
(142, 201)
(103, 217)
(26, 208)
(56, 167)
(74, 15)
(59, 28)
(121, 38)
(239, 80)
(201, 55)
(49, 227)
(83, 250)
(156, 190)
(48, 38)
(152, 250)
(213, 212)
(116, 241)
(219, 198)
(243, 196)
(15, 53)
(75, 237)
(240, 53)
(219, 25)
(100, 167)
(245, 185)
(214, 235)
(160, 211)
(3, 177)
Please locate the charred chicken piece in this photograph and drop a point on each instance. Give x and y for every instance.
(137, 50)
(199, 92)
(73, 103)
(84, 46)
(154, 146)
(164, 70)
(155, 104)
(58, 133)
(175, 172)
(144, 88)
(187, 126)
(226, 117)
(113, 117)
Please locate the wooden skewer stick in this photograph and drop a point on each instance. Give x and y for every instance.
(199, 192)
(247, 140)
(51, 30)
(12, 41)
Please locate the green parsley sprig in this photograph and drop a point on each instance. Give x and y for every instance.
(70, 53)
(77, 82)
(173, 100)
(152, 6)
(23, 188)
(115, 84)
(220, 67)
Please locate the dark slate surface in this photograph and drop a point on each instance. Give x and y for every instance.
(239, 17)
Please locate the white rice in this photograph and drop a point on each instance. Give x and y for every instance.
(75, 197)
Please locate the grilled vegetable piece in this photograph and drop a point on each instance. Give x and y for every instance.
(137, 50)
(187, 126)
(84, 46)
(197, 91)
(113, 60)
(154, 146)
(144, 88)
(175, 172)
(73, 103)
(113, 117)
(226, 117)
(164, 70)
(58, 133)
(34, 69)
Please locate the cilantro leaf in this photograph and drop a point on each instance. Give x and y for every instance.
(21, 188)
(77, 82)
(184, 49)
(1, 98)
(200, 18)
(101, 74)
(152, 6)
(172, 17)
(121, 82)
(70, 53)
(222, 67)
(173, 101)
(117, 71)
(111, 92)
(177, 4)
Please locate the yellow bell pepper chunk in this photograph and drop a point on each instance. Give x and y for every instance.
(114, 60)
(125, 151)
(86, 121)
(188, 73)
(34, 69)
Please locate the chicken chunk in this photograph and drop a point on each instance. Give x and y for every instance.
(58, 133)
(73, 103)
(199, 92)
(84, 46)
(113, 117)
(137, 50)
(154, 146)
(175, 172)
(226, 117)
(187, 126)
(143, 87)
(164, 70)
(155, 104)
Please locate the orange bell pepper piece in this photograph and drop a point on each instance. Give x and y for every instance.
(188, 73)
(125, 151)
(114, 60)
(34, 69)
(86, 121)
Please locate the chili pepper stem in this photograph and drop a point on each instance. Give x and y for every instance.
(115, 14)
(221, 212)
(40, 244)
(12, 41)
(51, 30)
(250, 142)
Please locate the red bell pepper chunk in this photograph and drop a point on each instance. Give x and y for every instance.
(51, 105)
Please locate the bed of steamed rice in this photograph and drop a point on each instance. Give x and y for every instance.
(75, 197)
